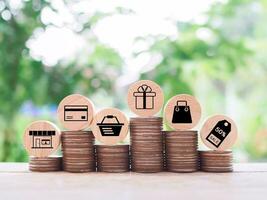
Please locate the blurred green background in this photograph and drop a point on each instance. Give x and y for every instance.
(215, 50)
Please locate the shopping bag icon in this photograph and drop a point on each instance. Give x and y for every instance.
(219, 133)
(181, 113)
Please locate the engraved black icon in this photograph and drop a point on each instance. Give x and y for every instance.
(219, 133)
(75, 113)
(181, 113)
(42, 139)
(110, 126)
(144, 97)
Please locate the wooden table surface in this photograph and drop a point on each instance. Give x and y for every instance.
(246, 182)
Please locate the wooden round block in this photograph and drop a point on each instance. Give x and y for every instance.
(182, 112)
(110, 126)
(145, 98)
(219, 132)
(75, 112)
(41, 138)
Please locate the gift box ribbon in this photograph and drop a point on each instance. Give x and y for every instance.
(144, 89)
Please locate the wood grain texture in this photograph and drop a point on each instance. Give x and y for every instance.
(247, 182)
(107, 123)
(145, 98)
(210, 124)
(75, 112)
(41, 138)
(190, 106)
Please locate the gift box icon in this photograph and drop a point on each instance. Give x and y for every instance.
(144, 97)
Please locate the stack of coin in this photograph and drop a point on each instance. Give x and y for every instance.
(181, 151)
(146, 144)
(164, 150)
(216, 161)
(78, 151)
(46, 164)
(112, 158)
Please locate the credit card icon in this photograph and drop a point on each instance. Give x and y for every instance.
(76, 113)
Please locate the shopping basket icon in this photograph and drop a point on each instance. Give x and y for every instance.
(111, 128)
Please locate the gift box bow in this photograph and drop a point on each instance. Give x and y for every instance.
(144, 91)
(144, 88)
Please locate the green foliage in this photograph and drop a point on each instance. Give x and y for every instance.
(222, 61)
(24, 79)
(216, 61)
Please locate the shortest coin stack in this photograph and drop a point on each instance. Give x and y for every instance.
(181, 151)
(46, 164)
(78, 151)
(216, 161)
(112, 158)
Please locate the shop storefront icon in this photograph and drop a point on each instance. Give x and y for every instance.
(42, 139)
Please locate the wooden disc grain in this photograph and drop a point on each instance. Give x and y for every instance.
(182, 112)
(145, 98)
(75, 112)
(110, 126)
(219, 132)
(41, 138)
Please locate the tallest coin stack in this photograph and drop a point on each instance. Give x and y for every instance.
(145, 99)
(146, 144)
